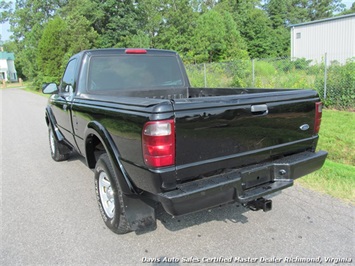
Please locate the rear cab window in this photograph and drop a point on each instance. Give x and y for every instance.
(133, 72)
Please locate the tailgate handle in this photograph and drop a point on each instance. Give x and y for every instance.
(260, 109)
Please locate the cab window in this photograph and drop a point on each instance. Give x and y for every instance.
(69, 75)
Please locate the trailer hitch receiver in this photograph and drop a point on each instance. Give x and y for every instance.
(260, 204)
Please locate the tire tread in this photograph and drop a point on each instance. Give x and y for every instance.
(122, 226)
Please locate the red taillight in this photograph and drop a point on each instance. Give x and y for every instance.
(318, 117)
(136, 51)
(158, 141)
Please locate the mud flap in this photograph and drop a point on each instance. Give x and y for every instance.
(140, 215)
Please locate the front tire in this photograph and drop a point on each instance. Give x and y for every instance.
(55, 148)
(109, 196)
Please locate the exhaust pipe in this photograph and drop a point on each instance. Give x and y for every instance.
(260, 204)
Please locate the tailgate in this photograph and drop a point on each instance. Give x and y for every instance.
(228, 132)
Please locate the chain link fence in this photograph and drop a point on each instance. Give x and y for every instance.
(334, 82)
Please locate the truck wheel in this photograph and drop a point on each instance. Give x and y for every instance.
(55, 148)
(109, 196)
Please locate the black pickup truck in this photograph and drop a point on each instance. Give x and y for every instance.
(151, 138)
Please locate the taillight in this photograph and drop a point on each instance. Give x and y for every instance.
(158, 141)
(318, 117)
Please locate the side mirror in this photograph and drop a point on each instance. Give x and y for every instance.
(50, 88)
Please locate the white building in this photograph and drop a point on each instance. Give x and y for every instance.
(7, 66)
(334, 37)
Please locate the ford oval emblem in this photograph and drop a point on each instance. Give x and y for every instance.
(304, 127)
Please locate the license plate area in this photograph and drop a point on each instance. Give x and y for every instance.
(256, 177)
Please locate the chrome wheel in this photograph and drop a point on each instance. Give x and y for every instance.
(106, 195)
(109, 196)
(59, 152)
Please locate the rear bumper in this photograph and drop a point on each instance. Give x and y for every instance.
(241, 185)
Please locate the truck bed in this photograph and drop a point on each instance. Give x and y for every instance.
(186, 93)
(226, 128)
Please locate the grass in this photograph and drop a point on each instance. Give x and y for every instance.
(337, 177)
(13, 85)
(24, 86)
(337, 136)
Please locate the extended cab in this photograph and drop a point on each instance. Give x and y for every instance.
(152, 138)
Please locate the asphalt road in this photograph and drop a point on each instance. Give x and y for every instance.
(49, 214)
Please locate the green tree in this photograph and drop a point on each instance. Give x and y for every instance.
(278, 12)
(254, 26)
(236, 46)
(141, 39)
(259, 34)
(177, 26)
(216, 38)
(166, 24)
(27, 21)
(351, 10)
(6, 11)
(118, 21)
(319, 9)
(52, 47)
(203, 6)
(299, 11)
(209, 43)
(80, 16)
(62, 37)
(150, 23)
(83, 8)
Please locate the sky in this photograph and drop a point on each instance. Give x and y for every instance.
(4, 31)
(5, 27)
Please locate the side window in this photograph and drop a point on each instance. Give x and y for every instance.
(69, 75)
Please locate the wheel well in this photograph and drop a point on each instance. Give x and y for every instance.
(94, 148)
(47, 120)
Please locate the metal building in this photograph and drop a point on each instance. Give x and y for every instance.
(332, 38)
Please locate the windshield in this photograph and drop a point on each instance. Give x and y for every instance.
(128, 72)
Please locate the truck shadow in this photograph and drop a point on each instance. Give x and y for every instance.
(75, 156)
(227, 213)
(231, 213)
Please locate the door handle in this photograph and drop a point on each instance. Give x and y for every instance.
(260, 109)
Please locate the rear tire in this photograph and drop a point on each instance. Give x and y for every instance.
(109, 196)
(56, 147)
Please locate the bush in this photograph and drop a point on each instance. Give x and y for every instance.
(196, 75)
(340, 92)
(297, 74)
(291, 65)
(220, 75)
(240, 71)
(264, 68)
